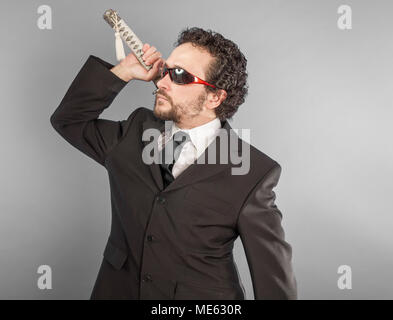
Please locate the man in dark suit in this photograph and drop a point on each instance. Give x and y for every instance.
(174, 224)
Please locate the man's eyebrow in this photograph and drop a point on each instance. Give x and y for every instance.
(175, 65)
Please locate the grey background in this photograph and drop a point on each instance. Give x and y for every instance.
(320, 103)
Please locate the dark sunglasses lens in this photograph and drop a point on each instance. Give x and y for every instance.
(181, 76)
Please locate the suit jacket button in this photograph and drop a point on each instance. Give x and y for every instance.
(160, 199)
(150, 238)
(147, 277)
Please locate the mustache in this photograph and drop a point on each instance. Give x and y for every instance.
(158, 91)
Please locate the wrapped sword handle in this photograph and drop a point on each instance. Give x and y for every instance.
(128, 36)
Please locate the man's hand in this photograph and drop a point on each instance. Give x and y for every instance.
(129, 68)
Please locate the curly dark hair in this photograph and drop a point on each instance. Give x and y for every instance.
(227, 71)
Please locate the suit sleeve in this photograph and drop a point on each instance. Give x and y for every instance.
(268, 254)
(76, 118)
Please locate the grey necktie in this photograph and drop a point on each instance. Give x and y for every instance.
(170, 154)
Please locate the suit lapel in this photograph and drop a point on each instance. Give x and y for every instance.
(154, 167)
(196, 171)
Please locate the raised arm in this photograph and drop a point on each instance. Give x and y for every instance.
(76, 118)
(91, 92)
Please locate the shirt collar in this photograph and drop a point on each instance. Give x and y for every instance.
(200, 136)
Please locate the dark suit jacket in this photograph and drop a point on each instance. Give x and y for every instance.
(175, 243)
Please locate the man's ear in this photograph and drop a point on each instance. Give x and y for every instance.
(216, 98)
(222, 95)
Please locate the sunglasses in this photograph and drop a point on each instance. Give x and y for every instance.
(181, 76)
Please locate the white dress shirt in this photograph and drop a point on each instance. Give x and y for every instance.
(200, 136)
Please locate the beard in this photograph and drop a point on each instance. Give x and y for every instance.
(167, 110)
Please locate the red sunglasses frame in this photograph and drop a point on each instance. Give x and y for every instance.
(196, 79)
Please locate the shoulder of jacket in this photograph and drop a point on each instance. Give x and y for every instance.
(260, 162)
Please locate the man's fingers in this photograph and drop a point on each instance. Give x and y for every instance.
(149, 52)
(151, 59)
